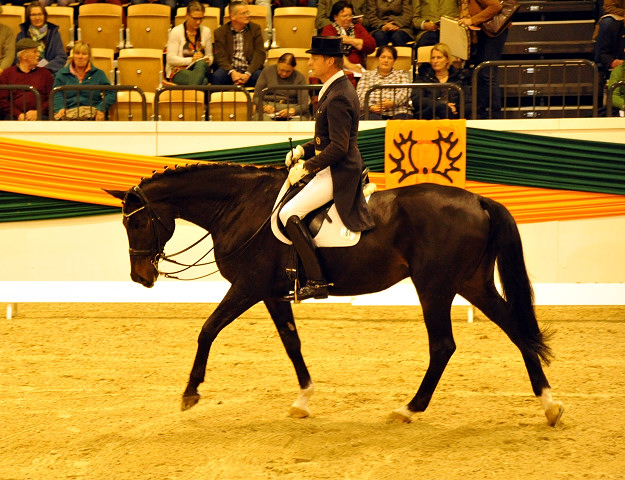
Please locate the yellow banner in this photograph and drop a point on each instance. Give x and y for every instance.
(418, 151)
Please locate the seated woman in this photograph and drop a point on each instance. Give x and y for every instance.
(385, 103)
(437, 104)
(190, 49)
(51, 48)
(281, 104)
(357, 42)
(82, 104)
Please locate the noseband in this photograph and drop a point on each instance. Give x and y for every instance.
(155, 219)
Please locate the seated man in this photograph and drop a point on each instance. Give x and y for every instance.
(18, 104)
(239, 49)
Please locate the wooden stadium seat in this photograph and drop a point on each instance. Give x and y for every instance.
(103, 58)
(148, 25)
(300, 56)
(293, 27)
(129, 107)
(229, 106)
(181, 105)
(211, 17)
(142, 67)
(12, 16)
(64, 18)
(100, 25)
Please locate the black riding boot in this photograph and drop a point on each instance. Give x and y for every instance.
(316, 285)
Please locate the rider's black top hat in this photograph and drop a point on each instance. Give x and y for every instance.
(330, 46)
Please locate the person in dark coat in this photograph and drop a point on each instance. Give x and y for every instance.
(36, 27)
(334, 159)
(435, 103)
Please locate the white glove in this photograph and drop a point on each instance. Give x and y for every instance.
(294, 155)
(297, 173)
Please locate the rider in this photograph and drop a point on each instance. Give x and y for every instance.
(334, 159)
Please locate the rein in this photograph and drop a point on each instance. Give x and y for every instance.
(160, 255)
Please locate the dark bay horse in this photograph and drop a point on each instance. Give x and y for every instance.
(445, 239)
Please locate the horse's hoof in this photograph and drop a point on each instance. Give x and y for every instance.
(554, 412)
(398, 417)
(297, 412)
(189, 401)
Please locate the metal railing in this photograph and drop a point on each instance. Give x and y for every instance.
(10, 100)
(96, 96)
(609, 94)
(223, 103)
(536, 89)
(439, 95)
(278, 105)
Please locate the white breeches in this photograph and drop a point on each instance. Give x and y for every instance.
(317, 193)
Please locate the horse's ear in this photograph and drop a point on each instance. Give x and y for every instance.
(116, 193)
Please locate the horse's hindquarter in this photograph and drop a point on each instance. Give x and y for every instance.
(420, 231)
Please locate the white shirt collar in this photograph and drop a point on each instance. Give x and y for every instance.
(329, 82)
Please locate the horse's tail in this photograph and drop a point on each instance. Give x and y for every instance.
(505, 242)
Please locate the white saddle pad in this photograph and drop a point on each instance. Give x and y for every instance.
(332, 233)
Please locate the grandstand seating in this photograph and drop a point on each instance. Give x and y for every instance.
(13, 16)
(64, 18)
(148, 25)
(100, 25)
(293, 27)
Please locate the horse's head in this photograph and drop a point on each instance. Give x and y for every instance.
(149, 226)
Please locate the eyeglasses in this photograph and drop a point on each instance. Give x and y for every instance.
(36, 14)
(197, 19)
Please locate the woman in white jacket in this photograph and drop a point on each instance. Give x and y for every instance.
(190, 49)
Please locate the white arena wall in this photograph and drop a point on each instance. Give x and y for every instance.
(85, 259)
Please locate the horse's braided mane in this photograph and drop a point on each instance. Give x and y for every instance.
(189, 168)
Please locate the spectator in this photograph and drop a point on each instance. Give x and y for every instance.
(190, 49)
(7, 46)
(282, 104)
(437, 104)
(384, 104)
(612, 51)
(51, 47)
(613, 11)
(357, 42)
(324, 9)
(239, 49)
(618, 96)
(488, 49)
(18, 104)
(85, 104)
(390, 21)
(426, 19)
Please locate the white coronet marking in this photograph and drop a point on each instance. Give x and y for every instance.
(304, 396)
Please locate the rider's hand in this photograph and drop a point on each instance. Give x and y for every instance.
(297, 173)
(294, 155)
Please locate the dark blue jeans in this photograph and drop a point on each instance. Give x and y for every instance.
(221, 77)
(397, 38)
(488, 91)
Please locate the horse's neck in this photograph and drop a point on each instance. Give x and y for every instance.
(223, 203)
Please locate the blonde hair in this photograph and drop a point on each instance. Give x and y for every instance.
(80, 47)
(444, 49)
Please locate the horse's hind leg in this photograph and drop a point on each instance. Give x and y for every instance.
(437, 316)
(525, 335)
(232, 305)
(282, 315)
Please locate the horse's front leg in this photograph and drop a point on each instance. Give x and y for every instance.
(232, 305)
(282, 315)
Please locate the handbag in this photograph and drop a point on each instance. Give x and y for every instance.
(496, 25)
